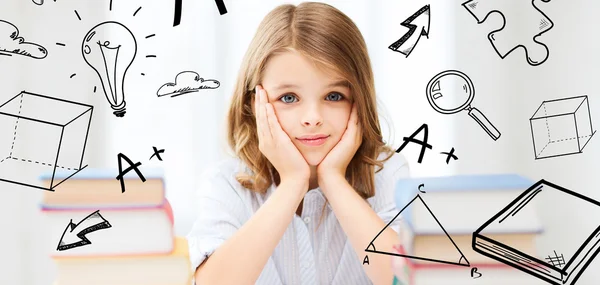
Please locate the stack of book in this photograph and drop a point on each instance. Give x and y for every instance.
(440, 215)
(99, 234)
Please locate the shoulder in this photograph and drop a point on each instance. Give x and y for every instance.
(224, 169)
(394, 168)
(220, 177)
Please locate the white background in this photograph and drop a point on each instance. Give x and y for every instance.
(191, 127)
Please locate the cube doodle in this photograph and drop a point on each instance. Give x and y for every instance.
(41, 135)
(561, 127)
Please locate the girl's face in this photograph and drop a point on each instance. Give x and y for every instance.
(312, 106)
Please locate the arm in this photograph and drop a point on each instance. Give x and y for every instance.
(361, 224)
(241, 259)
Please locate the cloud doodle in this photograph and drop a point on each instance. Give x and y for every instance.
(11, 43)
(186, 82)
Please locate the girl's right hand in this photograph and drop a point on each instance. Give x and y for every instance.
(275, 144)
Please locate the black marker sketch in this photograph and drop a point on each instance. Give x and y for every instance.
(561, 127)
(110, 48)
(422, 143)
(59, 131)
(221, 6)
(417, 22)
(157, 153)
(177, 17)
(450, 155)
(71, 238)
(474, 271)
(12, 44)
(132, 166)
(452, 91)
(460, 260)
(366, 260)
(560, 260)
(136, 11)
(77, 14)
(522, 24)
(421, 186)
(38, 2)
(578, 254)
(186, 82)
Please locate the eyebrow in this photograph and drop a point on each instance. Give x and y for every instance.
(340, 83)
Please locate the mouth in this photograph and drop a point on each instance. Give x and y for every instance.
(313, 140)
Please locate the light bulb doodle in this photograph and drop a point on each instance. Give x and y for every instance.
(110, 49)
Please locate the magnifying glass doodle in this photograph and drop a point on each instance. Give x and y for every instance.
(452, 91)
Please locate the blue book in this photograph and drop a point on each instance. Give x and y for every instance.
(100, 188)
(407, 188)
(104, 173)
(432, 205)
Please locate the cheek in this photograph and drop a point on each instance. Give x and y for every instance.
(338, 120)
(286, 119)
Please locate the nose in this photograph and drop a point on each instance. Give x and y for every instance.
(312, 116)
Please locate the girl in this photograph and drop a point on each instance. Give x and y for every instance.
(312, 183)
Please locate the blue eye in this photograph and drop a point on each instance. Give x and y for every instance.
(333, 97)
(287, 97)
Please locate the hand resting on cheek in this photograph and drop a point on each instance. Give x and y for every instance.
(275, 144)
(337, 160)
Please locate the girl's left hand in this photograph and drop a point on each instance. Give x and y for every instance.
(337, 160)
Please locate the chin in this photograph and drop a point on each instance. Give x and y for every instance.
(313, 158)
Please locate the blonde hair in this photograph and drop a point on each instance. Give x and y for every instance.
(331, 39)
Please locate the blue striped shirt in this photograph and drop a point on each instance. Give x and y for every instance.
(305, 255)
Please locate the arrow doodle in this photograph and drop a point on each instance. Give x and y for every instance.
(407, 43)
(91, 223)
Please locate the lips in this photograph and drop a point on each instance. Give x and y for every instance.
(313, 140)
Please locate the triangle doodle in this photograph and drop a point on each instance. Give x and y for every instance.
(460, 258)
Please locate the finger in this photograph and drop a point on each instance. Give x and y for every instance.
(359, 136)
(259, 127)
(273, 121)
(263, 112)
(354, 114)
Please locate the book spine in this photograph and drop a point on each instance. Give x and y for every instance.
(165, 205)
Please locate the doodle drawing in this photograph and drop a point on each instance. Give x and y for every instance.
(559, 263)
(41, 135)
(561, 127)
(452, 91)
(458, 258)
(74, 234)
(186, 82)
(522, 24)
(418, 25)
(12, 44)
(110, 48)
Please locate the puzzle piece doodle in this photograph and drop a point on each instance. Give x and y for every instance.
(523, 23)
